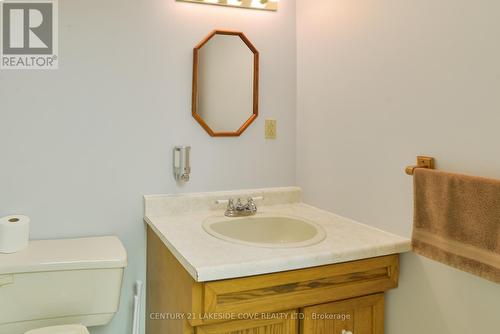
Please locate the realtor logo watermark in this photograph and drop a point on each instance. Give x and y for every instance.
(29, 37)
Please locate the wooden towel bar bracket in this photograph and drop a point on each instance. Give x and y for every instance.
(422, 162)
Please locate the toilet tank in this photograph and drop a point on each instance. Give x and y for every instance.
(57, 282)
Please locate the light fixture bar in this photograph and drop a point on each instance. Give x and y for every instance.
(251, 4)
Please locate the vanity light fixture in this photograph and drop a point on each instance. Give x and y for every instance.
(252, 4)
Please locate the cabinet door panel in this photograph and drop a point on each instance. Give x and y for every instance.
(364, 315)
(284, 323)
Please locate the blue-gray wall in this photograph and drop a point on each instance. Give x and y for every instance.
(79, 146)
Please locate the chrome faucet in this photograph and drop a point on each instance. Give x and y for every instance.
(239, 209)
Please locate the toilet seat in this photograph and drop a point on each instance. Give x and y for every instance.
(65, 329)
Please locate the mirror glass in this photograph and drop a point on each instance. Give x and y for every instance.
(225, 83)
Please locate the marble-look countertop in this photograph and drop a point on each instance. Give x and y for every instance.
(177, 220)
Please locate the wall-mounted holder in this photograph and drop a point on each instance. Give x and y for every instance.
(422, 162)
(182, 168)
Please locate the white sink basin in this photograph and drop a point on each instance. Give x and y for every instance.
(271, 231)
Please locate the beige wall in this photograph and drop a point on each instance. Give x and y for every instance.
(378, 83)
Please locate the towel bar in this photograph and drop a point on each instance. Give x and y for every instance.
(422, 162)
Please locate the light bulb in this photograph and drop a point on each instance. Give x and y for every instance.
(258, 4)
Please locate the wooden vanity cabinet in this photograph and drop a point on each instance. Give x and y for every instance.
(362, 315)
(288, 324)
(332, 299)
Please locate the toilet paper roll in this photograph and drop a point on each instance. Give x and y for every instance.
(14, 233)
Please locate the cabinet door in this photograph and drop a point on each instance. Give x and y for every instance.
(364, 315)
(275, 323)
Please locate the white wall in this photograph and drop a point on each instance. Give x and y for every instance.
(80, 146)
(378, 83)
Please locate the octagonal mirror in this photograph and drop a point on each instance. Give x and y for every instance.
(225, 83)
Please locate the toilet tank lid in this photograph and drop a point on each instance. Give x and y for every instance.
(66, 254)
(64, 329)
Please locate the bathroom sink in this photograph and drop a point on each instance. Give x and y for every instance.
(271, 231)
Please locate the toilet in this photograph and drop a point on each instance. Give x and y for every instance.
(61, 286)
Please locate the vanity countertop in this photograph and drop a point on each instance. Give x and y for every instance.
(177, 220)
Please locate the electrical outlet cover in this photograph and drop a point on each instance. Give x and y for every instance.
(270, 129)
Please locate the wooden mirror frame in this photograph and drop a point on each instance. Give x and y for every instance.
(194, 100)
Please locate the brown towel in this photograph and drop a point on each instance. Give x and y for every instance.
(457, 221)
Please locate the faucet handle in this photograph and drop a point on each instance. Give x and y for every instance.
(251, 204)
(239, 205)
(230, 204)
